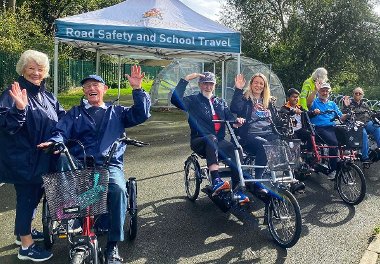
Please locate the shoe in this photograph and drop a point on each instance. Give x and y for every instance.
(112, 255)
(74, 226)
(34, 253)
(331, 175)
(297, 187)
(220, 185)
(241, 197)
(36, 236)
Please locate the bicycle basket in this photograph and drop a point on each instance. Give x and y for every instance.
(352, 137)
(281, 156)
(73, 194)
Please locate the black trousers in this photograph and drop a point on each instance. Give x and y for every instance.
(27, 198)
(214, 150)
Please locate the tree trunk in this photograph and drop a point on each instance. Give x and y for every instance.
(11, 5)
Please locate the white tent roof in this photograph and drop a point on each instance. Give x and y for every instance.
(150, 29)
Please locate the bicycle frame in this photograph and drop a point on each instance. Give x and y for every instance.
(274, 179)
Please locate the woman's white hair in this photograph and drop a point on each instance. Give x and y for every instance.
(320, 74)
(32, 55)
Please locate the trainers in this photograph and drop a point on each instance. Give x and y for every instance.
(220, 185)
(34, 253)
(331, 175)
(241, 197)
(36, 236)
(112, 255)
(74, 226)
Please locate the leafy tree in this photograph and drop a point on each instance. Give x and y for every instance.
(300, 35)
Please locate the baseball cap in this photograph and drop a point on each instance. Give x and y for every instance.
(92, 77)
(325, 85)
(209, 77)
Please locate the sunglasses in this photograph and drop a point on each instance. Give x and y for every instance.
(358, 94)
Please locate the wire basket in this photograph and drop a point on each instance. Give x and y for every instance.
(281, 156)
(77, 193)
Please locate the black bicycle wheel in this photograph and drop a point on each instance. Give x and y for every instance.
(283, 216)
(351, 184)
(192, 178)
(47, 225)
(132, 191)
(95, 252)
(78, 257)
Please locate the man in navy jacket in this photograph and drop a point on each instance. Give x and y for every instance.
(97, 125)
(207, 137)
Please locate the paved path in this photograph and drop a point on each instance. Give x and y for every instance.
(174, 230)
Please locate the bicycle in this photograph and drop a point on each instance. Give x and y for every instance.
(83, 196)
(349, 180)
(282, 211)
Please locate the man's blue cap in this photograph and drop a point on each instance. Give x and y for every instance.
(209, 77)
(92, 77)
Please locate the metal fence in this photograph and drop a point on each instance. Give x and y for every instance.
(71, 72)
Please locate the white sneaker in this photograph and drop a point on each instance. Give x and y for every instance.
(74, 226)
(331, 175)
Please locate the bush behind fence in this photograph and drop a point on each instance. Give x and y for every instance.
(71, 72)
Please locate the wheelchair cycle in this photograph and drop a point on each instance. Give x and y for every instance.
(349, 181)
(83, 195)
(282, 212)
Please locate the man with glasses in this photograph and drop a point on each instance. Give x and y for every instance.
(363, 113)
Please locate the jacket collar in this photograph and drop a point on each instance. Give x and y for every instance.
(30, 87)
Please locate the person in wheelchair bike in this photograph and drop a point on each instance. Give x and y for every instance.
(254, 104)
(362, 113)
(207, 138)
(293, 109)
(97, 125)
(324, 123)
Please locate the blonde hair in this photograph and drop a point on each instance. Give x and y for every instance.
(265, 93)
(32, 55)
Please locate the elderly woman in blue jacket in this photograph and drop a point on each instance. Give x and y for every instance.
(97, 125)
(28, 112)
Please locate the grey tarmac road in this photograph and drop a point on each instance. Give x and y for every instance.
(175, 230)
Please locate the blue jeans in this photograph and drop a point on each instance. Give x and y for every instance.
(371, 129)
(116, 201)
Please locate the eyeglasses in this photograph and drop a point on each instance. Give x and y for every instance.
(358, 93)
(93, 84)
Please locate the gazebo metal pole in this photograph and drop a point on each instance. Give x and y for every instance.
(223, 82)
(119, 80)
(97, 61)
(55, 85)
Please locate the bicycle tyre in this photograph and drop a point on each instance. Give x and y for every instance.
(278, 217)
(192, 178)
(95, 252)
(132, 190)
(351, 184)
(78, 257)
(47, 225)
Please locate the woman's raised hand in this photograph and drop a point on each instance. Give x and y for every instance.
(240, 81)
(19, 96)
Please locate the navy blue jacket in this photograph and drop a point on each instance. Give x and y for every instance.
(21, 131)
(79, 125)
(199, 110)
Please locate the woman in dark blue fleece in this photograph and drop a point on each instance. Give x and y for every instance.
(27, 114)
